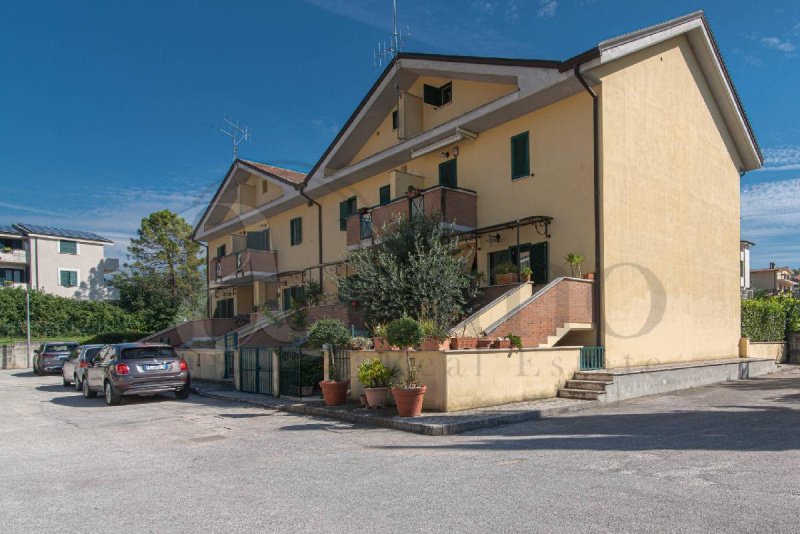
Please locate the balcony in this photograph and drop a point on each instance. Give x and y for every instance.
(456, 206)
(15, 255)
(244, 267)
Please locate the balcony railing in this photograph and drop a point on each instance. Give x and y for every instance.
(245, 265)
(456, 206)
(13, 255)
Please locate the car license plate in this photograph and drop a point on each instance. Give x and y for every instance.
(155, 367)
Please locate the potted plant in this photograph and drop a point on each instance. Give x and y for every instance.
(505, 273)
(328, 332)
(376, 378)
(7, 250)
(409, 393)
(379, 338)
(501, 343)
(434, 337)
(463, 341)
(574, 260)
(526, 272)
(360, 343)
(483, 342)
(310, 373)
(515, 341)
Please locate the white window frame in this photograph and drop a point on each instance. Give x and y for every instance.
(77, 279)
(77, 247)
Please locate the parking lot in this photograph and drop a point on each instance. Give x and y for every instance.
(719, 458)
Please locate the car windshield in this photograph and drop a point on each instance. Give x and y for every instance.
(91, 353)
(60, 347)
(140, 353)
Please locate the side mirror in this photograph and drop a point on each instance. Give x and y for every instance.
(36, 351)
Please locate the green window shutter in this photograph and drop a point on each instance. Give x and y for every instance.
(68, 247)
(220, 251)
(65, 278)
(296, 231)
(448, 173)
(73, 278)
(385, 194)
(69, 278)
(257, 240)
(432, 95)
(343, 215)
(520, 156)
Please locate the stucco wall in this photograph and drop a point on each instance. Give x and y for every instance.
(772, 351)
(461, 380)
(46, 260)
(205, 364)
(670, 190)
(14, 356)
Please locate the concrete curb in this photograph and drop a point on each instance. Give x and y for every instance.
(410, 425)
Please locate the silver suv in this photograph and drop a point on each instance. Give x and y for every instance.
(76, 364)
(136, 369)
(50, 356)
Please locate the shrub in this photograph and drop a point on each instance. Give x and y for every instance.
(374, 374)
(515, 340)
(328, 331)
(505, 268)
(432, 330)
(115, 337)
(768, 319)
(404, 332)
(360, 343)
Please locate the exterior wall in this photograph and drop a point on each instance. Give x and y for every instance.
(207, 364)
(467, 96)
(462, 380)
(46, 260)
(568, 301)
(744, 269)
(185, 333)
(771, 351)
(14, 356)
(670, 196)
(763, 280)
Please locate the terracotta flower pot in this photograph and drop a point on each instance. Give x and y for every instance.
(381, 344)
(588, 276)
(501, 344)
(334, 393)
(432, 343)
(409, 400)
(461, 343)
(376, 397)
(484, 343)
(508, 278)
(306, 391)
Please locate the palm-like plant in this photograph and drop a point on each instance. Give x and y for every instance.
(574, 260)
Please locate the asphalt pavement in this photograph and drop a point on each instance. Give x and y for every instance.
(717, 458)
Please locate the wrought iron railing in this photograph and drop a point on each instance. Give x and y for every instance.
(255, 370)
(300, 371)
(593, 358)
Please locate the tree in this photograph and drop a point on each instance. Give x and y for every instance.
(418, 270)
(164, 278)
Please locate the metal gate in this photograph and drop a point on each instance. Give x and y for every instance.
(255, 370)
(593, 358)
(793, 347)
(341, 363)
(300, 372)
(231, 340)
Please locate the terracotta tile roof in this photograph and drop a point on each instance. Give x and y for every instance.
(279, 172)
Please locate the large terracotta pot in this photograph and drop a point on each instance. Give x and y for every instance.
(376, 397)
(461, 343)
(484, 343)
(381, 344)
(334, 393)
(409, 400)
(432, 343)
(508, 278)
(501, 344)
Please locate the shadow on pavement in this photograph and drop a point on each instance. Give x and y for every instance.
(310, 426)
(242, 415)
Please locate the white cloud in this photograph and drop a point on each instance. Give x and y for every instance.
(483, 7)
(512, 11)
(787, 47)
(327, 127)
(782, 158)
(547, 9)
(771, 218)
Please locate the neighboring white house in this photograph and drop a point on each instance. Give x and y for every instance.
(67, 263)
(744, 268)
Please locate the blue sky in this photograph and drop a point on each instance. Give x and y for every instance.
(109, 110)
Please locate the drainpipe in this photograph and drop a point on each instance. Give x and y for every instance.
(311, 201)
(598, 278)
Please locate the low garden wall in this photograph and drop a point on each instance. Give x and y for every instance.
(461, 380)
(14, 356)
(204, 364)
(770, 350)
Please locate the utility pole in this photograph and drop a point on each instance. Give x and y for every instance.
(28, 321)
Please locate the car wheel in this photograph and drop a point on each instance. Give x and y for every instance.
(88, 393)
(112, 399)
(182, 393)
(40, 371)
(65, 382)
(77, 383)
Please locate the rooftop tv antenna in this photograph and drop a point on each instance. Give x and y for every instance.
(388, 52)
(237, 133)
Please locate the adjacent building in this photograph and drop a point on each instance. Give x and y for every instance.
(744, 268)
(774, 280)
(67, 263)
(629, 154)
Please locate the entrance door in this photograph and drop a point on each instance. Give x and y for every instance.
(533, 256)
(448, 173)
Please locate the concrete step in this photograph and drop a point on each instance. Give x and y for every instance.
(589, 385)
(593, 375)
(583, 394)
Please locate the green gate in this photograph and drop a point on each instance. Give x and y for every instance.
(593, 358)
(255, 370)
(300, 372)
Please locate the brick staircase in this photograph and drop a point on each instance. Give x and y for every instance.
(587, 385)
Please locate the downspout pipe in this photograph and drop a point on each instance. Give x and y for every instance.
(598, 275)
(311, 201)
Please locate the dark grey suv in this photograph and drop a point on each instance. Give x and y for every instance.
(136, 369)
(50, 356)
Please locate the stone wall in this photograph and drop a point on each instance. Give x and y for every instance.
(13, 356)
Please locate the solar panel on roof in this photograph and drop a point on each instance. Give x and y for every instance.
(9, 230)
(61, 232)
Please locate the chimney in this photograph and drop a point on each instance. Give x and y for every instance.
(772, 265)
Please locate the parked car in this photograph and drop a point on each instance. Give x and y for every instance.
(50, 356)
(78, 361)
(136, 369)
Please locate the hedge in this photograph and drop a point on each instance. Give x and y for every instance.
(769, 319)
